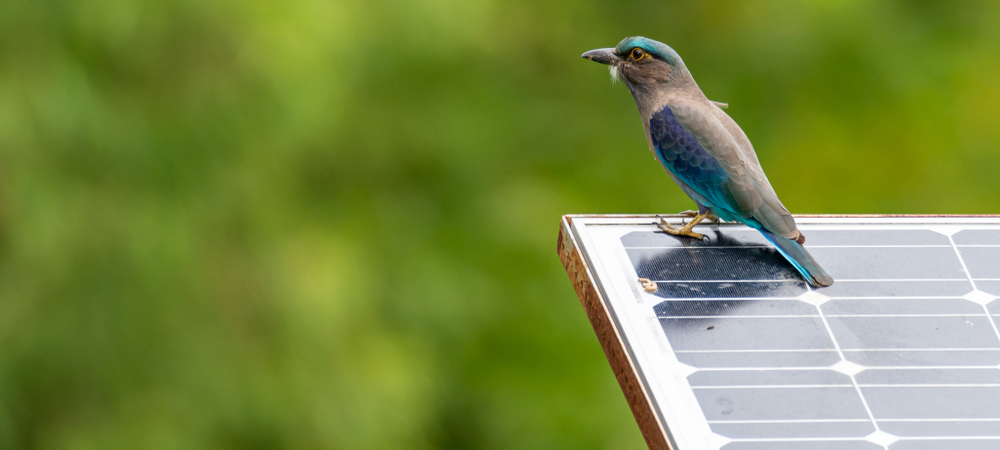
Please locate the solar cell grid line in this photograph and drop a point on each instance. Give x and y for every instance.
(733, 351)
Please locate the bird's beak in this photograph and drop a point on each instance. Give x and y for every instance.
(603, 56)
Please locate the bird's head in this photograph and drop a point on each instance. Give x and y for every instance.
(640, 62)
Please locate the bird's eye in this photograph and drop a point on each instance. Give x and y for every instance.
(638, 54)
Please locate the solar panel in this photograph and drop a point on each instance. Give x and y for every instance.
(725, 347)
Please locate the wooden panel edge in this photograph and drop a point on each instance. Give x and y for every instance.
(611, 341)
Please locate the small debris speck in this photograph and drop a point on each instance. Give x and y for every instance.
(649, 286)
(711, 327)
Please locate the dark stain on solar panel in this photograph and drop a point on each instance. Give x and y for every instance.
(721, 257)
(714, 289)
(713, 238)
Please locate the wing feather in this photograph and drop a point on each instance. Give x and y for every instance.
(750, 195)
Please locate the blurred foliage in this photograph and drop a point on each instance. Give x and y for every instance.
(321, 225)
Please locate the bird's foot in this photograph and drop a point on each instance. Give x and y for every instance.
(682, 231)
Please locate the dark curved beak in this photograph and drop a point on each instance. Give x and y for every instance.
(603, 56)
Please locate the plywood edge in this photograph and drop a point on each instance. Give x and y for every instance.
(594, 304)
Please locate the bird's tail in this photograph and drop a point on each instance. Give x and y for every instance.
(796, 254)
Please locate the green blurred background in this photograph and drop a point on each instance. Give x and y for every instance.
(306, 224)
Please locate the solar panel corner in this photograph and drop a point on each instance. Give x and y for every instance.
(724, 331)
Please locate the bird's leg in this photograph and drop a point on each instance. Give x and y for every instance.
(708, 215)
(685, 230)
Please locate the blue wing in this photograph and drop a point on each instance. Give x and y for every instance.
(682, 155)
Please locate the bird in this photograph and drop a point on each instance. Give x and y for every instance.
(703, 150)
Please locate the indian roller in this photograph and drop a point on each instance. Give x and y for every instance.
(703, 149)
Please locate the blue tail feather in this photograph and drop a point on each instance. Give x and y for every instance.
(796, 254)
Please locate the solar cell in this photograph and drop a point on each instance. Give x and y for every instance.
(734, 351)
